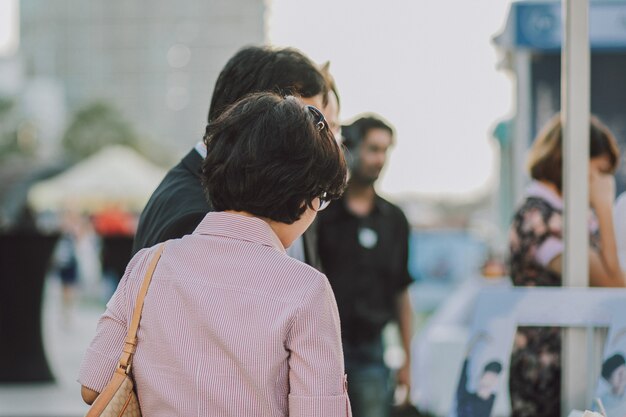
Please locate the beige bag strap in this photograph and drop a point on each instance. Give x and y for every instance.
(130, 343)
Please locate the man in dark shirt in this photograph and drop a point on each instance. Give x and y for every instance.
(178, 204)
(363, 246)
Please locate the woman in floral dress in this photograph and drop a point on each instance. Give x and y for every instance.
(536, 249)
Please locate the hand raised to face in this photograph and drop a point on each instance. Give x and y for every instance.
(601, 186)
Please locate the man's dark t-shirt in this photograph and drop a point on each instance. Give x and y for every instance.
(365, 260)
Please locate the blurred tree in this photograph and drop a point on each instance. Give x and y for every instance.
(6, 104)
(96, 126)
(9, 126)
(8, 142)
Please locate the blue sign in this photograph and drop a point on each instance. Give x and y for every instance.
(538, 25)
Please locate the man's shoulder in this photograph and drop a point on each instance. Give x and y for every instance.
(390, 208)
(175, 208)
(180, 189)
(161, 227)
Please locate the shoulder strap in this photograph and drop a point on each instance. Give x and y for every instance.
(130, 343)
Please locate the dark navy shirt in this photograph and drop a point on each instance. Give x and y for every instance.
(365, 260)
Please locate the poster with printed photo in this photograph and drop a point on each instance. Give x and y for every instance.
(484, 373)
(612, 382)
(483, 388)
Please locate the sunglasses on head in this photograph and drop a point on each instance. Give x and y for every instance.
(319, 120)
(320, 124)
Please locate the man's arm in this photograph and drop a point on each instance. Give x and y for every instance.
(404, 313)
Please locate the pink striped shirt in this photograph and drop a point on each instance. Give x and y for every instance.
(231, 326)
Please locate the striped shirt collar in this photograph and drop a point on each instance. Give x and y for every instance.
(239, 227)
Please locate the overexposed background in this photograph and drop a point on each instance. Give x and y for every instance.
(427, 66)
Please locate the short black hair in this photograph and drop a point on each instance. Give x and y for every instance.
(254, 69)
(354, 133)
(493, 366)
(611, 364)
(269, 156)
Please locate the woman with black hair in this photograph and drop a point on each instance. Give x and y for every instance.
(231, 325)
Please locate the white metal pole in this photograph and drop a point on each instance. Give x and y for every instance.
(575, 107)
(523, 124)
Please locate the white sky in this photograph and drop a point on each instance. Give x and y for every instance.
(428, 66)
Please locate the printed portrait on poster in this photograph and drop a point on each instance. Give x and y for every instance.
(484, 372)
(483, 383)
(610, 392)
(479, 400)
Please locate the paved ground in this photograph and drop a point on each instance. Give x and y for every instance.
(64, 345)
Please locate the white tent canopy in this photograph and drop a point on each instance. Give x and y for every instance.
(116, 175)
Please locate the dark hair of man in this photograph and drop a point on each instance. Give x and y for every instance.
(611, 364)
(267, 156)
(355, 133)
(545, 160)
(494, 366)
(254, 69)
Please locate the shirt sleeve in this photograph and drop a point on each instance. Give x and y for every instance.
(318, 386)
(404, 277)
(102, 355)
(548, 250)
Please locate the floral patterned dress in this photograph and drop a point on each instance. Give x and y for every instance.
(536, 238)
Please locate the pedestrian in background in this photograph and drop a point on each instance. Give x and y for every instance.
(363, 245)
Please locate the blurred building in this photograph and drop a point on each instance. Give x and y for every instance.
(157, 60)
